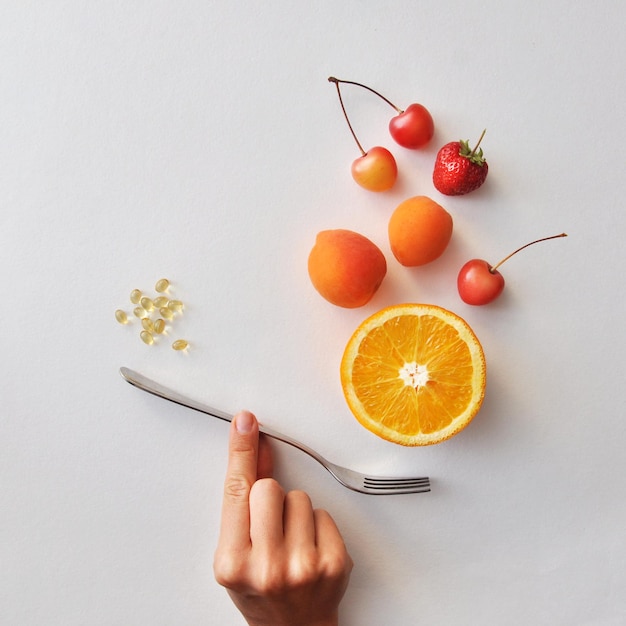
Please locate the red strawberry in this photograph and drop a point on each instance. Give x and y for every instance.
(458, 169)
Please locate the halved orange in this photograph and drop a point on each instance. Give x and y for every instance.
(414, 374)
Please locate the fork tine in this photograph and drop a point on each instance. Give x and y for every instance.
(397, 485)
(392, 482)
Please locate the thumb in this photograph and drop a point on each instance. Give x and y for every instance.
(241, 474)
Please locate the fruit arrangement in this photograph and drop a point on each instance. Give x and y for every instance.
(413, 374)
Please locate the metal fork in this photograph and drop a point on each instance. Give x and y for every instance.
(373, 485)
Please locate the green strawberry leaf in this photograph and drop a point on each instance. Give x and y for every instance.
(475, 155)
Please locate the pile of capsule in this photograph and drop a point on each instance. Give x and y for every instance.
(154, 314)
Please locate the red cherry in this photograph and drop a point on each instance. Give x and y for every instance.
(413, 128)
(480, 283)
(374, 170)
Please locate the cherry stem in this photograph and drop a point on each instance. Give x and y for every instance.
(332, 79)
(343, 108)
(506, 258)
(476, 148)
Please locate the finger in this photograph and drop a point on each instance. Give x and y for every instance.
(330, 544)
(241, 474)
(299, 520)
(326, 531)
(265, 465)
(267, 500)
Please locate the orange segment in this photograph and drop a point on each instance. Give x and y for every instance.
(414, 374)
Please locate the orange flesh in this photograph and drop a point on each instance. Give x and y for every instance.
(413, 379)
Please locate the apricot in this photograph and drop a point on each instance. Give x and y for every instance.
(419, 231)
(346, 268)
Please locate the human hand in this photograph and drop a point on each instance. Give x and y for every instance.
(282, 562)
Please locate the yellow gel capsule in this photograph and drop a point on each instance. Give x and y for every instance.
(180, 344)
(140, 312)
(147, 324)
(121, 316)
(146, 337)
(160, 302)
(166, 313)
(147, 303)
(162, 285)
(175, 305)
(135, 296)
(159, 326)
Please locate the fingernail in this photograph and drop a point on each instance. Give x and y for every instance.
(244, 422)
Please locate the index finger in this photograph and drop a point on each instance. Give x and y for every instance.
(241, 473)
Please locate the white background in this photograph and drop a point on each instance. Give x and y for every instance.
(201, 141)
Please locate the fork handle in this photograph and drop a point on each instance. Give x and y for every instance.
(146, 384)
